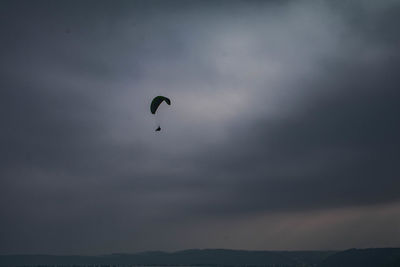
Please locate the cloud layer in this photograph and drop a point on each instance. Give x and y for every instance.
(282, 134)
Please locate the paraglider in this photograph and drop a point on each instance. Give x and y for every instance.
(155, 103)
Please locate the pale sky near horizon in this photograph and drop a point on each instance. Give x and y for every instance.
(283, 132)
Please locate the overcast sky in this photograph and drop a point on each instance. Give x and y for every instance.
(283, 132)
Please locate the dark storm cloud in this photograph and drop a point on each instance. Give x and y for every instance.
(54, 157)
(337, 148)
(278, 107)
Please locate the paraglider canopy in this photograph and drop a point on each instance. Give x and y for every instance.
(157, 102)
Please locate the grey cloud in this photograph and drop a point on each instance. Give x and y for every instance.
(338, 147)
(313, 126)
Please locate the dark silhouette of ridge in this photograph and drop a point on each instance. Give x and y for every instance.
(219, 257)
(371, 257)
(379, 257)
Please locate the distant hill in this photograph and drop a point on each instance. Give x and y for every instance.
(186, 257)
(372, 257)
